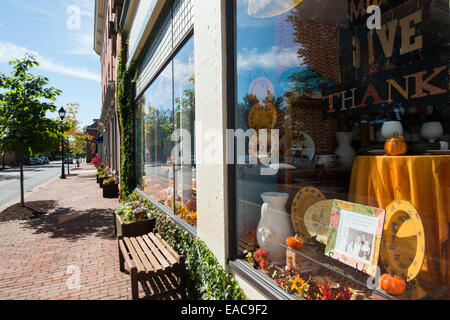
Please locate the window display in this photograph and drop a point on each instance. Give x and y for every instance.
(363, 123)
(165, 136)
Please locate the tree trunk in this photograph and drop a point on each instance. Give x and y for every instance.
(22, 195)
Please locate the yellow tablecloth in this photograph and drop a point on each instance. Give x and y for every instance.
(422, 180)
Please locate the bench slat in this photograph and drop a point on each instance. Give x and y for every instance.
(134, 254)
(140, 251)
(150, 256)
(125, 254)
(155, 250)
(167, 250)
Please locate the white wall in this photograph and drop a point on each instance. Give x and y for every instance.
(210, 114)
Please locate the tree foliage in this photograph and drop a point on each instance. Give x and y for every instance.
(24, 102)
(77, 136)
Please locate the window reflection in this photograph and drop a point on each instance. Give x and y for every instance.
(165, 136)
(337, 93)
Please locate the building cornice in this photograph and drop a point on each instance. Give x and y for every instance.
(99, 24)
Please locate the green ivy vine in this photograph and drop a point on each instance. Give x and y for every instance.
(206, 278)
(126, 84)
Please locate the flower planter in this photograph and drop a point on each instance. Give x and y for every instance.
(110, 190)
(134, 229)
(100, 181)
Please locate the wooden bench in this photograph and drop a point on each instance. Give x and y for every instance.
(152, 261)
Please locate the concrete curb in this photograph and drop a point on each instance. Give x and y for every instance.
(27, 194)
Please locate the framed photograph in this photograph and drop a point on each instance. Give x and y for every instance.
(354, 235)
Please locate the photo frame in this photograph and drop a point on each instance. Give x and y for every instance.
(354, 235)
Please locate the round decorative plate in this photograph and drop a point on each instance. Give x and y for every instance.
(403, 244)
(300, 142)
(303, 199)
(254, 147)
(317, 220)
(304, 143)
(261, 88)
(262, 116)
(271, 8)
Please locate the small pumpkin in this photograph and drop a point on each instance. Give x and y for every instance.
(395, 146)
(392, 284)
(295, 242)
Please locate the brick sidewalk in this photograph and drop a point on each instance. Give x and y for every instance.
(39, 257)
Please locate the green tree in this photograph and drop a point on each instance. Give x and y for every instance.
(77, 137)
(24, 101)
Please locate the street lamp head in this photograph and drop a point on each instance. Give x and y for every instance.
(62, 113)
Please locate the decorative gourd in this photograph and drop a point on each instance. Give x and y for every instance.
(191, 204)
(395, 146)
(295, 243)
(392, 284)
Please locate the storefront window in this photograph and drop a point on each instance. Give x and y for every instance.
(158, 174)
(360, 120)
(164, 136)
(184, 102)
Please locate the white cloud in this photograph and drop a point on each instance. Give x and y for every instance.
(81, 44)
(10, 51)
(274, 57)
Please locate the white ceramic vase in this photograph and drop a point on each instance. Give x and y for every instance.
(432, 130)
(274, 226)
(391, 128)
(345, 151)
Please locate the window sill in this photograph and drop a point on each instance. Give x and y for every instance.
(180, 222)
(263, 283)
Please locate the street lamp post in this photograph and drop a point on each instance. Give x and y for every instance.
(62, 115)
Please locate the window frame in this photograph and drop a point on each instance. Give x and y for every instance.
(183, 224)
(264, 284)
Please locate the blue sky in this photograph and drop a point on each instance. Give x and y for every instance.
(46, 28)
(262, 53)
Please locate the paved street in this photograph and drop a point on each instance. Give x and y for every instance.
(33, 177)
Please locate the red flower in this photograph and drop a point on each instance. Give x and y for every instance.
(261, 254)
(344, 294)
(326, 292)
(261, 258)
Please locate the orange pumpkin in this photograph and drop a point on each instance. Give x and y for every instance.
(395, 146)
(295, 243)
(392, 284)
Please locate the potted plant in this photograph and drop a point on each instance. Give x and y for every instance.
(102, 177)
(133, 219)
(97, 162)
(110, 188)
(100, 171)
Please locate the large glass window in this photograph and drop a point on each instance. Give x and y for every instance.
(164, 136)
(362, 176)
(184, 103)
(158, 170)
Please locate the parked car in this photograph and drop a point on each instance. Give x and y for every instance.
(68, 160)
(43, 160)
(34, 161)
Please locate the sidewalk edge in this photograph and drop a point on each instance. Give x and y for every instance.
(27, 194)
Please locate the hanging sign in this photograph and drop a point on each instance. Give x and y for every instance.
(413, 85)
